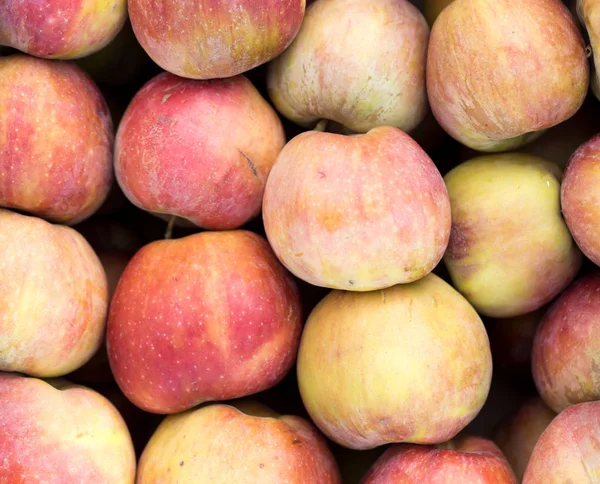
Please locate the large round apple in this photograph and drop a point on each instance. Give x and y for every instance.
(214, 39)
(358, 212)
(500, 72)
(211, 316)
(198, 150)
(410, 363)
(360, 63)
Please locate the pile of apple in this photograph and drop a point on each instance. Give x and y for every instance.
(259, 241)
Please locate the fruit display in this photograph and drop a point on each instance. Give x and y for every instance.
(299, 242)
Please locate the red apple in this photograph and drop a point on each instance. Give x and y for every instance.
(56, 140)
(60, 29)
(199, 150)
(214, 39)
(57, 432)
(359, 212)
(462, 460)
(501, 72)
(568, 451)
(211, 316)
(517, 435)
(53, 297)
(565, 360)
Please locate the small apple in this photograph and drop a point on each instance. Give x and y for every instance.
(210, 40)
(510, 252)
(359, 63)
(410, 363)
(501, 72)
(198, 150)
(462, 460)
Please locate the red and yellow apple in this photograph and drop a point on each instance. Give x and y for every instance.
(358, 63)
(360, 212)
(198, 150)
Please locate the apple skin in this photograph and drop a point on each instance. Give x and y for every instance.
(569, 449)
(510, 252)
(211, 316)
(467, 459)
(361, 371)
(53, 297)
(214, 39)
(59, 433)
(60, 29)
(539, 77)
(588, 13)
(580, 200)
(199, 150)
(237, 443)
(433, 8)
(361, 64)
(517, 435)
(56, 140)
(564, 360)
(359, 212)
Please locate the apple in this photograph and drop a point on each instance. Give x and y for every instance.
(56, 139)
(462, 460)
(57, 432)
(210, 40)
(237, 442)
(517, 435)
(510, 252)
(53, 297)
(210, 316)
(501, 72)
(410, 363)
(588, 12)
(580, 199)
(60, 29)
(568, 451)
(564, 360)
(361, 64)
(360, 212)
(198, 150)
(433, 8)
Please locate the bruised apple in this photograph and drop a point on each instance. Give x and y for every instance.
(360, 212)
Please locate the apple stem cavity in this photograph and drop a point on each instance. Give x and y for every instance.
(170, 226)
(321, 125)
(588, 51)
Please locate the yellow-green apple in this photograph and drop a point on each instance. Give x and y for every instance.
(517, 435)
(210, 316)
(241, 443)
(500, 72)
(510, 251)
(215, 38)
(433, 8)
(467, 459)
(53, 297)
(359, 212)
(568, 451)
(358, 63)
(198, 150)
(58, 433)
(60, 29)
(588, 12)
(565, 359)
(580, 197)
(363, 376)
(56, 139)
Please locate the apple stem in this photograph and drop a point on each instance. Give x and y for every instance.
(170, 226)
(321, 125)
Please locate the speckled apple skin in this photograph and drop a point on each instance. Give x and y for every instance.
(60, 29)
(359, 212)
(56, 140)
(211, 316)
(537, 77)
(466, 459)
(59, 433)
(213, 39)
(221, 443)
(53, 297)
(200, 150)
